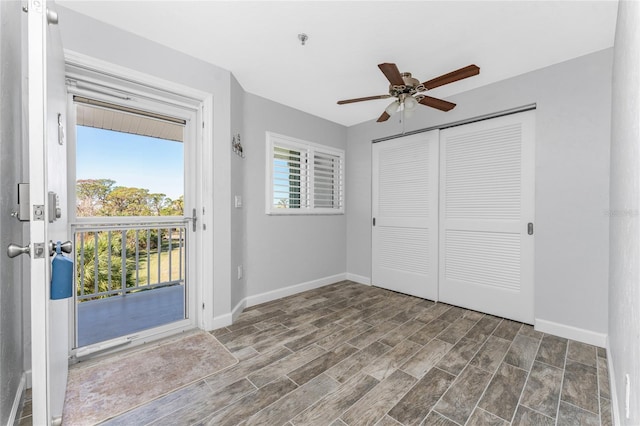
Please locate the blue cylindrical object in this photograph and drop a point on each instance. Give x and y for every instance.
(61, 276)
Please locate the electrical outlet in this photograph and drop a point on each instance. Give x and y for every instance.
(627, 396)
(240, 272)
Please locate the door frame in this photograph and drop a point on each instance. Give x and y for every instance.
(180, 96)
(40, 273)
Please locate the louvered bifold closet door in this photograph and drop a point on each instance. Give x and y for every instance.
(405, 211)
(486, 203)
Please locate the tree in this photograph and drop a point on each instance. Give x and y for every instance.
(156, 203)
(99, 197)
(124, 201)
(173, 207)
(90, 195)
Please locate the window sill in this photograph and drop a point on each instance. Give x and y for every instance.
(304, 213)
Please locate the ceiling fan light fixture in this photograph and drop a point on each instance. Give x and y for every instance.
(410, 103)
(408, 113)
(393, 107)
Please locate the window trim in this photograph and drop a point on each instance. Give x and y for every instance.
(307, 190)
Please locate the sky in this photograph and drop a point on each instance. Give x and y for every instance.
(130, 160)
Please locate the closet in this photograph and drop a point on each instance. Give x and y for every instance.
(453, 215)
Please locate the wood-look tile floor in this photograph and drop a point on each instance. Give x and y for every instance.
(350, 354)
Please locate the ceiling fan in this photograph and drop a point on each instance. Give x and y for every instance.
(406, 89)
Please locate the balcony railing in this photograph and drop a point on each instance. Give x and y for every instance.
(129, 277)
(123, 258)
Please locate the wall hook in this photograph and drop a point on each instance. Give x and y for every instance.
(237, 146)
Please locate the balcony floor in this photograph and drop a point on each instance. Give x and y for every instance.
(117, 316)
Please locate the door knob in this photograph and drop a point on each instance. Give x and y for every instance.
(52, 17)
(14, 250)
(66, 247)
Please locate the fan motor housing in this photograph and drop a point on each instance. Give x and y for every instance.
(410, 86)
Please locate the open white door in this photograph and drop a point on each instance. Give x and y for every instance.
(47, 173)
(405, 215)
(486, 216)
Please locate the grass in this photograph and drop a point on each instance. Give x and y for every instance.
(164, 265)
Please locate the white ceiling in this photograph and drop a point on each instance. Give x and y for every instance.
(258, 42)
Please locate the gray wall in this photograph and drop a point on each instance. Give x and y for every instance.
(572, 181)
(624, 263)
(11, 335)
(286, 250)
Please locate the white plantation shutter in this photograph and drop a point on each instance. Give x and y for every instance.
(327, 180)
(289, 177)
(303, 177)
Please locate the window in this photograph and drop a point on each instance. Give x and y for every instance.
(303, 177)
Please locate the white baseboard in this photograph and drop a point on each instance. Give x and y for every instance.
(294, 289)
(360, 279)
(613, 389)
(238, 309)
(570, 332)
(13, 415)
(228, 319)
(222, 321)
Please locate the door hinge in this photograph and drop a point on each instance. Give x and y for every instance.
(194, 219)
(530, 228)
(203, 306)
(374, 221)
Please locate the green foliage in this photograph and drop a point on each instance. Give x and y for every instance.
(99, 197)
(173, 207)
(109, 258)
(123, 201)
(108, 263)
(91, 194)
(156, 202)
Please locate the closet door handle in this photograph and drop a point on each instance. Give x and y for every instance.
(530, 228)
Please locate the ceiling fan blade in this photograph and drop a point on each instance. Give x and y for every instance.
(468, 71)
(368, 98)
(383, 117)
(437, 103)
(392, 73)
